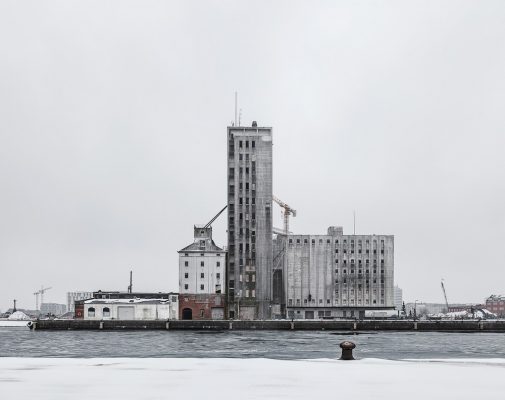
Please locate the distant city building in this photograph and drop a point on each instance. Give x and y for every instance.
(129, 306)
(73, 296)
(398, 298)
(53, 309)
(337, 275)
(249, 177)
(202, 265)
(496, 304)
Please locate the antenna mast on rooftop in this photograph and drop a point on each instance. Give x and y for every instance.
(236, 104)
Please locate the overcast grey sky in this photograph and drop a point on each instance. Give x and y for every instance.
(113, 120)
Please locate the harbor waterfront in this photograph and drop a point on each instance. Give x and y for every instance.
(292, 345)
(331, 325)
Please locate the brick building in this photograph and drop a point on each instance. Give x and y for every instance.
(496, 304)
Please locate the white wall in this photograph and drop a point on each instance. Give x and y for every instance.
(194, 271)
(142, 311)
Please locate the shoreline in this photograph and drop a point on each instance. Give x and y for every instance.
(272, 325)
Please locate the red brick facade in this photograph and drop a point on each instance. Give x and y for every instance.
(496, 304)
(201, 306)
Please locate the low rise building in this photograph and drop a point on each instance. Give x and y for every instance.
(53, 309)
(496, 304)
(130, 306)
(202, 306)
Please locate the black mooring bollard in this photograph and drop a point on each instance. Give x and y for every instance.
(347, 347)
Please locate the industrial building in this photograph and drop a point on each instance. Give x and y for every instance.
(336, 275)
(73, 296)
(53, 309)
(398, 298)
(202, 265)
(249, 188)
(496, 304)
(128, 306)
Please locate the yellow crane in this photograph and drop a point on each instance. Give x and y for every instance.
(286, 212)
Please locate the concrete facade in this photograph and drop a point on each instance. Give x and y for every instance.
(202, 265)
(53, 309)
(398, 294)
(337, 275)
(249, 188)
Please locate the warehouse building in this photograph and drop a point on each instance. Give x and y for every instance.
(336, 275)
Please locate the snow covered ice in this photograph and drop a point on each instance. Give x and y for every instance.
(227, 378)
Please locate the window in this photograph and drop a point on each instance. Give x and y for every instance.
(202, 263)
(240, 143)
(186, 275)
(202, 287)
(218, 276)
(106, 312)
(202, 275)
(218, 264)
(253, 144)
(91, 312)
(186, 263)
(202, 313)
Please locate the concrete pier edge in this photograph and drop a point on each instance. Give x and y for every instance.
(300, 325)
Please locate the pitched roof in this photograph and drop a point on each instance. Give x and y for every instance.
(195, 247)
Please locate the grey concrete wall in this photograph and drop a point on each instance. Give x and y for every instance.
(250, 219)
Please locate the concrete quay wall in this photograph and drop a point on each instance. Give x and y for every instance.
(302, 325)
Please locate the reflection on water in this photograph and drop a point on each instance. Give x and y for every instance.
(244, 344)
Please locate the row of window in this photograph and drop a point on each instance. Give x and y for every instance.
(202, 263)
(105, 312)
(344, 301)
(240, 143)
(202, 255)
(367, 271)
(202, 275)
(328, 241)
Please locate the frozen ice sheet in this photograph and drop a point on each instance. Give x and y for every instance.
(240, 379)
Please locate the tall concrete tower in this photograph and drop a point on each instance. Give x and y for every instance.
(249, 265)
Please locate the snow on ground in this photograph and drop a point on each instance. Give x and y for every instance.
(241, 379)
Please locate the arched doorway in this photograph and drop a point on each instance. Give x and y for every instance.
(187, 313)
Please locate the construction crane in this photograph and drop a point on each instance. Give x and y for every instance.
(287, 211)
(445, 295)
(215, 217)
(41, 294)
